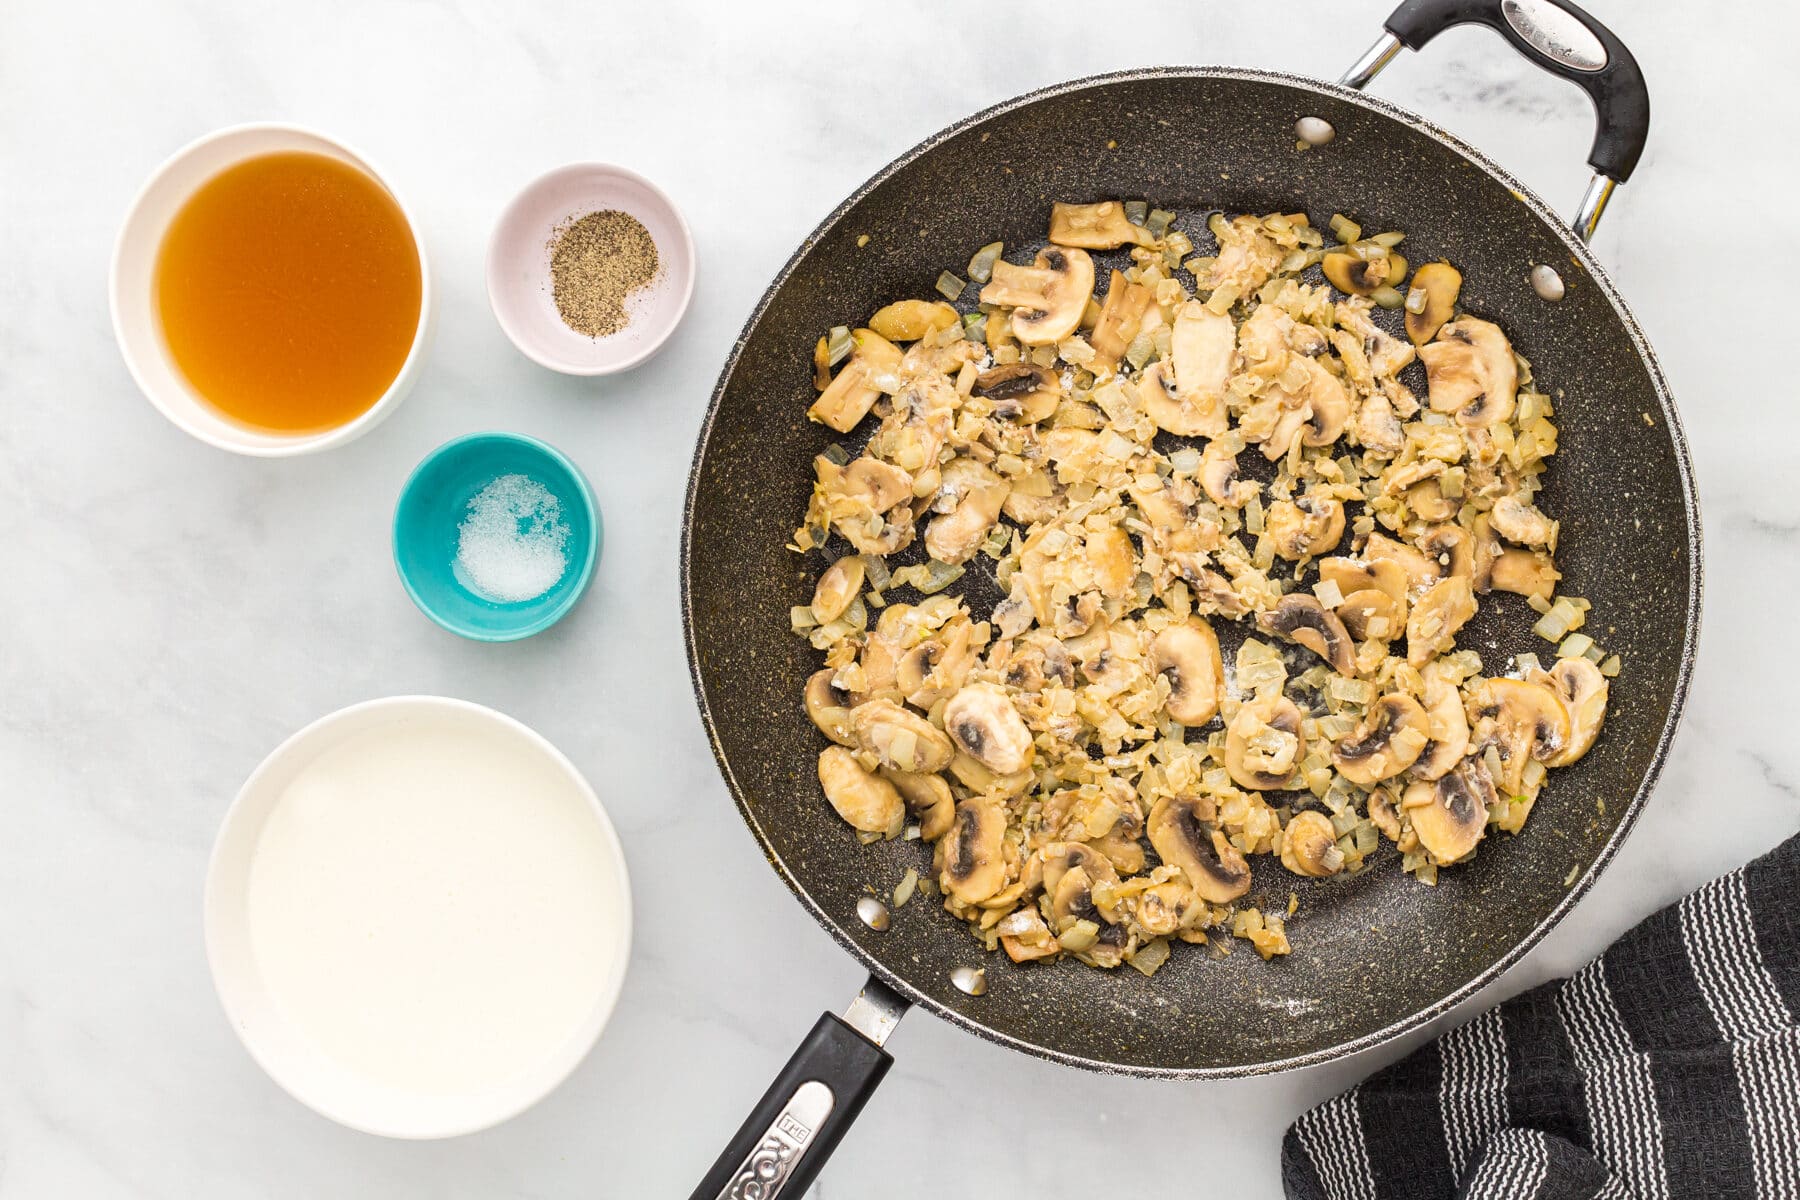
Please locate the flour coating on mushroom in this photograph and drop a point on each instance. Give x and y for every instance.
(1149, 434)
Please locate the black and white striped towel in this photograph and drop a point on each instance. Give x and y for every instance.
(1668, 1068)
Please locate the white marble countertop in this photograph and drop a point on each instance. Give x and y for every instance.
(171, 612)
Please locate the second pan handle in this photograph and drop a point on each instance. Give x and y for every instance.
(1557, 37)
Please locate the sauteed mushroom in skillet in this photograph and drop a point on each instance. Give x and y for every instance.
(1097, 777)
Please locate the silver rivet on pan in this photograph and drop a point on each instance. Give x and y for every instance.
(873, 913)
(972, 980)
(1546, 282)
(1314, 131)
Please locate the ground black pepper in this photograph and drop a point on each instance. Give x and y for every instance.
(596, 261)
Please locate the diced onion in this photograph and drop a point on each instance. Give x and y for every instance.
(838, 344)
(950, 286)
(981, 267)
(903, 892)
(1158, 221)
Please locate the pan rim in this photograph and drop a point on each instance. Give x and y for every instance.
(1405, 1023)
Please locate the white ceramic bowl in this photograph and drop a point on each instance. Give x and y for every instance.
(297, 1063)
(139, 331)
(518, 269)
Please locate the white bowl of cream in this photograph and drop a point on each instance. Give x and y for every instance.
(418, 916)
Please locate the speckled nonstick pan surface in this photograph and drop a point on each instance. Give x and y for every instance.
(1373, 955)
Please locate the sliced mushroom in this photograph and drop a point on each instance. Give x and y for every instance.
(927, 797)
(1161, 401)
(1025, 937)
(1472, 372)
(1309, 845)
(1304, 527)
(1073, 901)
(1372, 613)
(1384, 813)
(829, 707)
(837, 589)
(1201, 345)
(1520, 521)
(972, 854)
(1359, 275)
(1428, 502)
(882, 485)
(1329, 407)
(1431, 300)
(1353, 575)
(937, 668)
(910, 320)
(864, 799)
(1102, 226)
(1453, 549)
(1121, 317)
(978, 495)
(984, 724)
(899, 738)
(1524, 573)
(1219, 478)
(850, 396)
(1449, 724)
(1583, 690)
(1522, 720)
(1263, 743)
(1301, 619)
(1187, 655)
(1377, 428)
(1049, 864)
(1047, 298)
(978, 779)
(1432, 626)
(1164, 907)
(1020, 391)
(1450, 816)
(1181, 830)
(1390, 739)
(1111, 560)
(1420, 571)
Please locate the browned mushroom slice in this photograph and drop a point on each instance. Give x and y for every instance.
(1264, 743)
(1187, 655)
(1450, 816)
(865, 800)
(1071, 905)
(972, 862)
(1360, 274)
(1449, 724)
(1453, 549)
(1522, 720)
(1432, 626)
(1524, 573)
(899, 738)
(1518, 520)
(1102, 226)
(1583, 690)
(933, 670)
(977, 494)
(1353, 575)
(1020, 391)
(1419, 568)
(850, 396)
(928, 798)
(829, 707)
(1309, 845)
(1304, 527)
(1301, 619)
(978, 779)
(837, 589)
(984, 724)
(1372, 613)
(1181, 830)
(1329, 407)
(1389, 740)
(1046, 298)
(1111, 560)
(1121, 317)
(1431, 300)
(1047, 865)
(910, 320)
(1219, 478)
(1472, 372)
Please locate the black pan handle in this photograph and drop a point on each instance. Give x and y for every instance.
(1560, 38)
(799, 1121)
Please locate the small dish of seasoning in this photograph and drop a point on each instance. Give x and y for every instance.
(590, 269)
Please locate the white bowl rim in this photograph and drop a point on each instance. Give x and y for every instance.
(279, 446)
(578, 1048)
(650, 347)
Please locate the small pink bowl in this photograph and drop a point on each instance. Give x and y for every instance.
(518, 269)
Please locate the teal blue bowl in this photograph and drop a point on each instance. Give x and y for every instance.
(474, 545)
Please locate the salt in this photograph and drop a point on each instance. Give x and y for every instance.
(510, 546)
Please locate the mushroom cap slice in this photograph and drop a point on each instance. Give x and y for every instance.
(977, 778)
(1472, 372)
(1301, 619)
(1181, 830)
(1304, 527)
(1353, 575)
(1264, 743)
(1432, 626)
(864, 799)
(1329, 406)
(881, 484)
(1020, 391)
(1584, 693)
(1047, 865)
(1439, 284)
(1372, 613)
(1121, 318)
(899, 738)
(983, 722)
(927, 797)
(978, 494)
(1420, 569)
(1101, 226)
(1452, 546)
(1201, 345)
(1188, 656)
(837, 588)
(1309, 845)
(829, 707)
(1390, 739)
(1047, 298)
(1449, 725)
(1111, 560)
(848, 398)
(1519, 521)
(1523, 720)
(1450, 816)
(910, 320)
(1524, 573)
(1220, 480)
(972, 854)
(1072, 901)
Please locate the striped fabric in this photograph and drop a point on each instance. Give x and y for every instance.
(1668, 1068)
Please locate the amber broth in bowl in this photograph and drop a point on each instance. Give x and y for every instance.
(289, 291)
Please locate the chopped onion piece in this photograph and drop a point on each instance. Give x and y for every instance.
(1136, 211)
(839, 344)
(1158, 221)
(909, 883)
(1150, 957)
(981, 267)
(949, 286)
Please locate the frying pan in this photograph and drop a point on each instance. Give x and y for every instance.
(1374, 955)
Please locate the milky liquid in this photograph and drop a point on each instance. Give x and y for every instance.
(433, 906)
